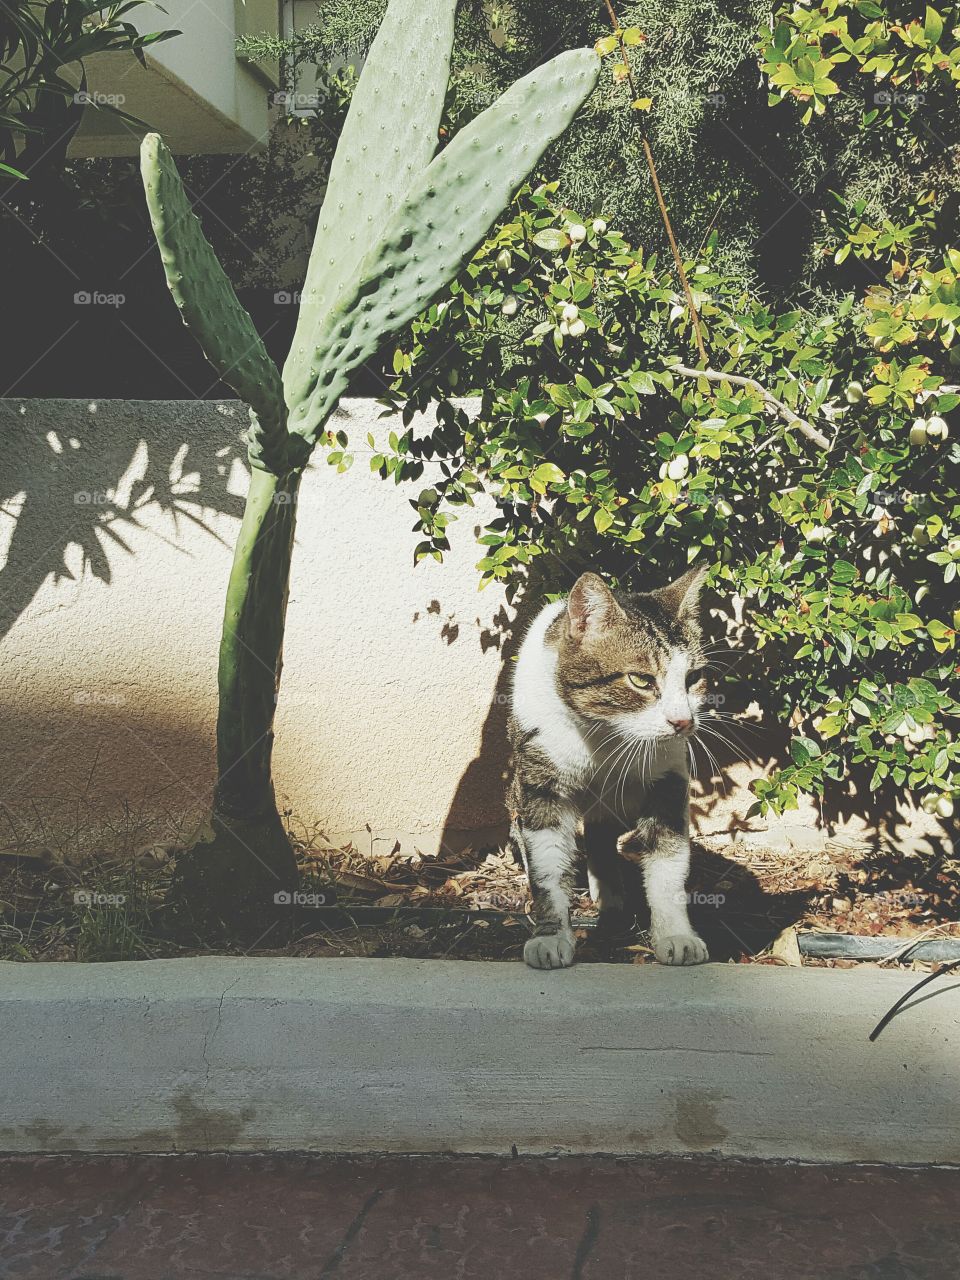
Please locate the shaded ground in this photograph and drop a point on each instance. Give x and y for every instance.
(456, 1218)
(55, 907)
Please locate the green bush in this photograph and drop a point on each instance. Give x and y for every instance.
(840, 531)
(812, 464)
(761, 178)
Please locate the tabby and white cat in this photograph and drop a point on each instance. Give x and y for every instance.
(606, 695)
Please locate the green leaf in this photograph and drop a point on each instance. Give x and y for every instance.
(932, 26)
(362, 195)
(548, 473)
(551, 239)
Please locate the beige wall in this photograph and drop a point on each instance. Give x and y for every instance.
(116, 529)
(194, 90)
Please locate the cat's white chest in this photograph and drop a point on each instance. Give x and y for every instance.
(622, 775)
(538, 708)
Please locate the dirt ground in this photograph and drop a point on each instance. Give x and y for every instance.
(746, 901)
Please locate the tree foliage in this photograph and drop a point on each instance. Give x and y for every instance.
(813, 465)
(762, 180)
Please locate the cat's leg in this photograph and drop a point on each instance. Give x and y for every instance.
(605, 874)
(661, 841)
(550, 855)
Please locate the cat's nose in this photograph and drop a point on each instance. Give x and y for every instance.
(680, 726)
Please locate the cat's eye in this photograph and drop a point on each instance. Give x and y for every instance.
(695, 676)
(638, 681)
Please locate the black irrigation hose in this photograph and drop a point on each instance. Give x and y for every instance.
(852, 946)
(895, 1009)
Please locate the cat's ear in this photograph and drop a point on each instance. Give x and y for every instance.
(591, 606)
(682, 597)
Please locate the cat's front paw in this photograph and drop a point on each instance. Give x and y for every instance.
(549, 951)
(680, 948)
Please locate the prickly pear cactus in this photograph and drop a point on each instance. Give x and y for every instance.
(448, 209)
(395, 227)
(388, 139)
(209, 306)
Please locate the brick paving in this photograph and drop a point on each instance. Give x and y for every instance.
(299, 1217)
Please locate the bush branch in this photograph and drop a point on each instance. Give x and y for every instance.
(712, 375)
(661, 202)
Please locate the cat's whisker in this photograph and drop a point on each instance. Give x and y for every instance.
(618, 791)
(713, 762)
(730, 726)
(616, 758)
(733, 747)
(735, 717)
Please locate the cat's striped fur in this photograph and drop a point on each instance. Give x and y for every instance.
(606, 693)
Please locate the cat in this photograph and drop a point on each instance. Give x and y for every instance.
(607, 693)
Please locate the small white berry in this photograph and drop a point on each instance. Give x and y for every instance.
(570, 312)
(937, 430)
(678, 467)
(577, 232)
(577, 329)
(599, 226)
(509, 306)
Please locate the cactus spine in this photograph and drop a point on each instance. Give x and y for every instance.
(397, 224)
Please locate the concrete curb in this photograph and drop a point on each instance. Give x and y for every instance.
(226, 1054)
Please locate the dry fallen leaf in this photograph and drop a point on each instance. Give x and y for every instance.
(787, 948)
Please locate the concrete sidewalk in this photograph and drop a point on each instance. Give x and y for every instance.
(435, 1056)
(469, 1218)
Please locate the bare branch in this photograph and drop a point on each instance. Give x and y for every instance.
(712, 375)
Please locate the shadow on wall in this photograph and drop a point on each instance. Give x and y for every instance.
(55, 495)
(161, 772)
(487, 771)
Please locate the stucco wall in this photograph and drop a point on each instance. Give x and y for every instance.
(193, 89)
(116, 529)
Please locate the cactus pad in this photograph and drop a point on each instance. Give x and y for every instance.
(447, 211)
(388, 139)
(210, 307)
